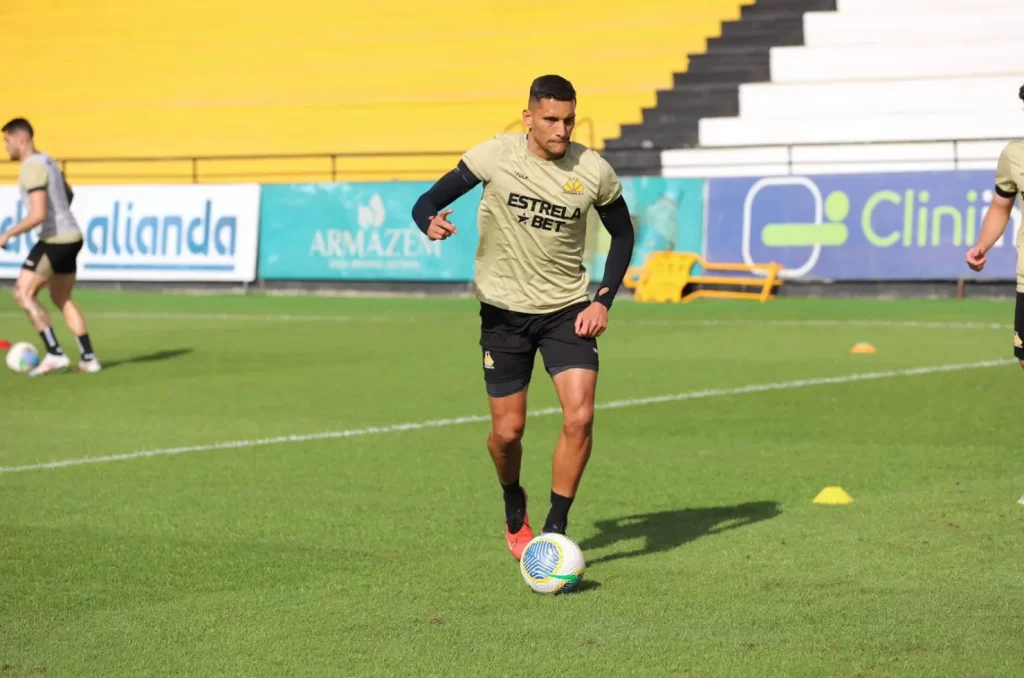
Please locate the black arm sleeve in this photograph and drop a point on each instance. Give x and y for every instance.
(615, 217)
(447, 190)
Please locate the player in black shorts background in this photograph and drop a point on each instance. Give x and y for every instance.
(53, 260)
(533, 287)
(1009, 183)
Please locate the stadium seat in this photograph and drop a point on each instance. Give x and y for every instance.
(872, 85)
(119, 79)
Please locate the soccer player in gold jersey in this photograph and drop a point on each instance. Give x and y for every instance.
(533, 289)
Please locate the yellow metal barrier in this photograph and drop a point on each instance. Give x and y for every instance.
(665, 276)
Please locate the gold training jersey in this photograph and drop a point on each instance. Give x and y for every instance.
(533, 222)
(40, 172)
(1010, 182)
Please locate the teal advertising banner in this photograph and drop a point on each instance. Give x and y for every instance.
(360, 232)
(667, 214)
(364, 231)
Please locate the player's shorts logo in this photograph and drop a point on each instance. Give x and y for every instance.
(1016, 340)
(824, 225)
(488, 360)
(573, 186)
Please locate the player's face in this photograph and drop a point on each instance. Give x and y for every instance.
(11, 142)
(551, 123)
(16, 143)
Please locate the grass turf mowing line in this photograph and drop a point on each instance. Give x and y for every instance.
(473, 419)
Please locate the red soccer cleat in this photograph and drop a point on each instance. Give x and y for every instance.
(518, 541)
(4, 344)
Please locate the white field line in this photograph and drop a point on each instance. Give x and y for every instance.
(913, 324)
(443, 423)
(704, 322)
(269, 317)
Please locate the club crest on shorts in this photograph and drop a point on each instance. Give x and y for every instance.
(1016, 340)
(488, 360)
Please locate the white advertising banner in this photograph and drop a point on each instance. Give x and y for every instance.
(187, 233)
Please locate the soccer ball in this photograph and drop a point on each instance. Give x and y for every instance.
(22, 357)
(552, 563)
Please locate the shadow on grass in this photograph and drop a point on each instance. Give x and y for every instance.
(148, 358)
(666, 530)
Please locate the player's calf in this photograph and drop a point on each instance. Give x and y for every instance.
(60, 293)
(576, 388)
(25, 298)
(570, 460)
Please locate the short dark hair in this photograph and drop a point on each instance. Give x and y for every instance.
(552, 87)
(18, 125)
(1021, 93)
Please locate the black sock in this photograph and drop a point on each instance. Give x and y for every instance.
(515, 505)
(85, 347)
(558, 516)
(51, 341)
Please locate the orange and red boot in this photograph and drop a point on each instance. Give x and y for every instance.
(524, 535)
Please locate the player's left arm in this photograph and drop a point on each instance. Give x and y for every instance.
(36, 215)
(614, 213)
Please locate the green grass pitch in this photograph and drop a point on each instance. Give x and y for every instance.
(379, 552)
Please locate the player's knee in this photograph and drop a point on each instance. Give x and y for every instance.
(21, 296)
(1022, 363)
(578, 422)
(508, 429)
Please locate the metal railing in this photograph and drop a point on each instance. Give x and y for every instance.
(339, 165)
(327, 165)
(799, 154)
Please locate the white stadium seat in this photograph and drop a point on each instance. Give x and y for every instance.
(881, 97)
(895, 62)
(878, 85)
(835, 29)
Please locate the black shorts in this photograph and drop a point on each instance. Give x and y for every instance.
(48, 259)
(1018, 328)
(510, 341)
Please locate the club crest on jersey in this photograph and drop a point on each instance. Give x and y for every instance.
(573, 186)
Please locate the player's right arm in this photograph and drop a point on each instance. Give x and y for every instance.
(34, 180)
(998, 216)
(476, 165)
(429, 212)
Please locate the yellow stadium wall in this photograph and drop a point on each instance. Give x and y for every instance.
(120, 79)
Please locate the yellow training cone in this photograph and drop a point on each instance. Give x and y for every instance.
(833, 495)
(862, 348)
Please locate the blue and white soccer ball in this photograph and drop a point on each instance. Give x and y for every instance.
(22, 357)
(552, 563)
